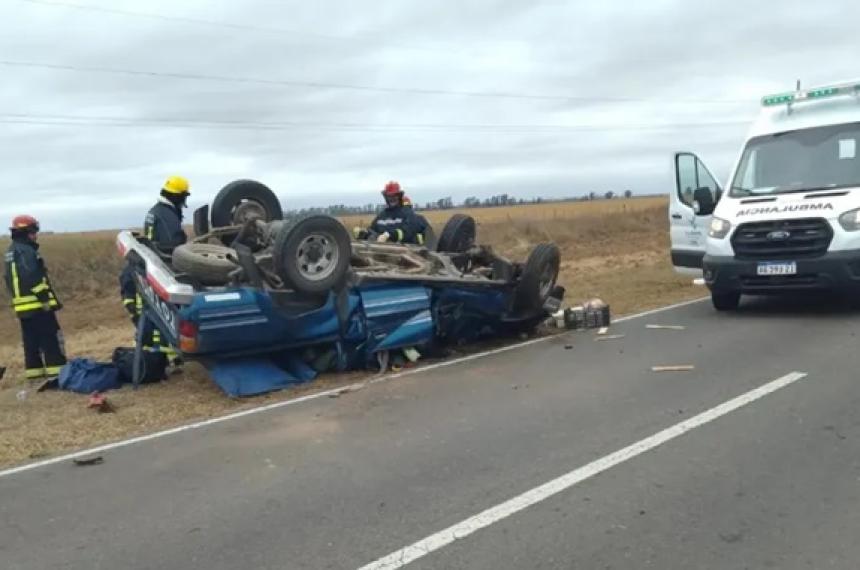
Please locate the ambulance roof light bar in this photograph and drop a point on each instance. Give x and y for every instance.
(852, 88)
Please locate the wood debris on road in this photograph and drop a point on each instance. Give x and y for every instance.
(610, 337)
(347, 390)
(675, 368)
(89, 461)
(666, 327)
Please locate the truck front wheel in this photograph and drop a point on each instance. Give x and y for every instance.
(726, 301)
(538, 278)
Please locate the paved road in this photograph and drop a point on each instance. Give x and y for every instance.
(341, 483)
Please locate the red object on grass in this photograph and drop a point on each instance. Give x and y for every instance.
(96, 400)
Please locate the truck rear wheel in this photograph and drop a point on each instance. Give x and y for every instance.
(313, 255)
(726, 301)
(458, 235)
(244, 200)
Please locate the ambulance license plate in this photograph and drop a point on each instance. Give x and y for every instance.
(777, 268)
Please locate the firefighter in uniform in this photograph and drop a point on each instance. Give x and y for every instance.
(163, 228)
(163, 224)
(398, 222)
(34, 301)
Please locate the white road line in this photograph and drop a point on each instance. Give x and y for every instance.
(314, 396)
(495, 514)
(660, 310)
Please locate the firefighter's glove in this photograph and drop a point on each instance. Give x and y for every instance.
(361, 234)
(383, 237)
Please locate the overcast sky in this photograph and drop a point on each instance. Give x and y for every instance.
(325, 101)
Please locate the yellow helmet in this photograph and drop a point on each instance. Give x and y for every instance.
(176, 185)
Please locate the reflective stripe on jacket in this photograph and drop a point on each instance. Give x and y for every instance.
(401, 223)
(27, 279)
(128, 291)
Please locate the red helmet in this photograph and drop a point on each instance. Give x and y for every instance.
(28, 223)
(392, 189)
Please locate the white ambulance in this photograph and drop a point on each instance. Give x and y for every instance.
(788, 219)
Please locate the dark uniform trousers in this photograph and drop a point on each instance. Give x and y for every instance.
(44, 353)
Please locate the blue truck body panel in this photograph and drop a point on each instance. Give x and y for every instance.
(247, 319)
(245, 324)
(397, 316)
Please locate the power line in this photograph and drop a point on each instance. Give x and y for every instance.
(264, 29)
(347, 86)
(223, 24)
(345, 124)
(182, 123)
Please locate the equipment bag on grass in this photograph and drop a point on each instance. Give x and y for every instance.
(86, 376)
(154, 365)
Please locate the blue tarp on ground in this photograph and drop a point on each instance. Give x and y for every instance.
(86, 376)
(240, 377)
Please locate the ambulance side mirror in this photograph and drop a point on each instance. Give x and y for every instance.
(704, 202)
(691, 172)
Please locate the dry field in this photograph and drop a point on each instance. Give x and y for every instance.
(616, 250)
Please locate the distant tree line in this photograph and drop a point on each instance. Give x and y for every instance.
(448, 203)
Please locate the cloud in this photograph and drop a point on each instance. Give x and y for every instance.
(624, 68)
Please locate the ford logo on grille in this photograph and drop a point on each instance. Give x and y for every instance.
(778, 235)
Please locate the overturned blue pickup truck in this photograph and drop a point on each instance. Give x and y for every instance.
(265, 302)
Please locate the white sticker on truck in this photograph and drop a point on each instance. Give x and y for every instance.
(847, 149)
(221, 297)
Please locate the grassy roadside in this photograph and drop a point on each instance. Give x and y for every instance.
(621, 258)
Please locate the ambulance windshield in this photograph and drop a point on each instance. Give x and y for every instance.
(820, 158)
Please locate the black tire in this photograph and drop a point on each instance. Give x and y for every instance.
(313, 254)
(242, 200)
(430, 239)
(209, 264)
(728, 301)
(458, 235)
(538, 278)
(201, 220)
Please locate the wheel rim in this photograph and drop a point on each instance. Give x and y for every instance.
(547, 279)
(207, 253)
(317, 256)
(249, 210)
